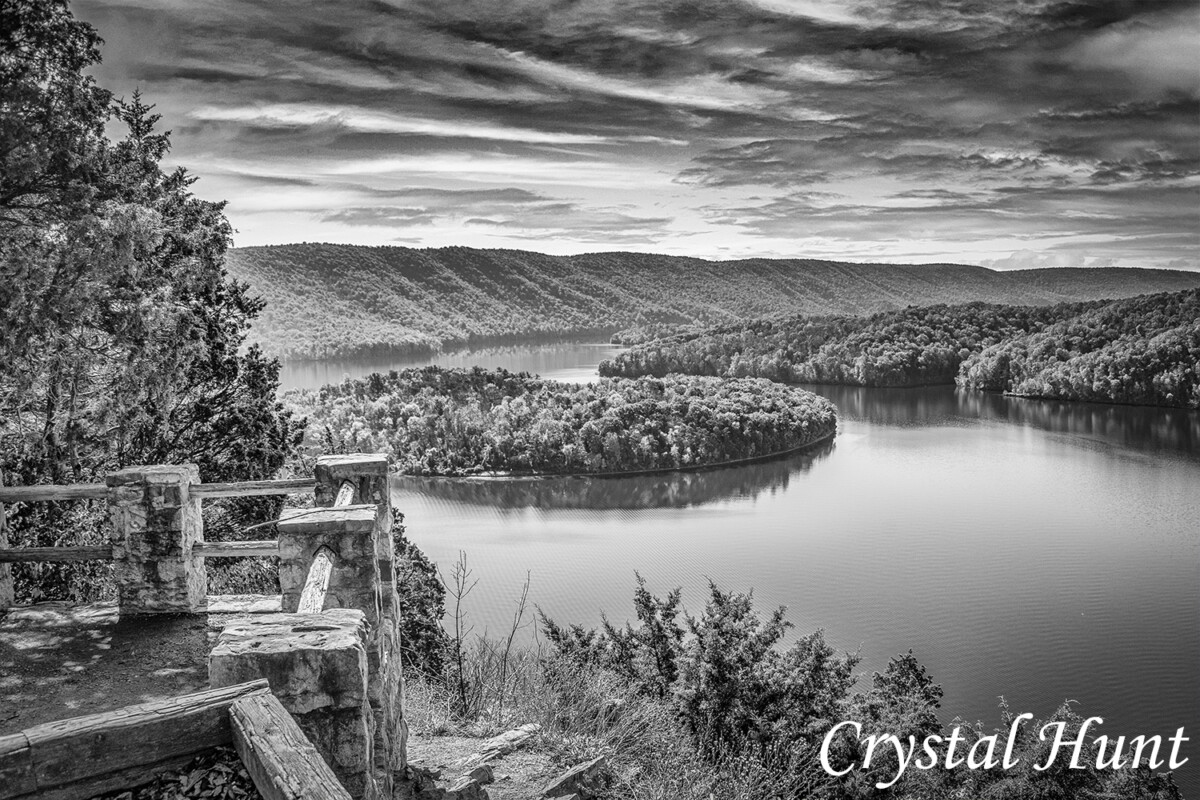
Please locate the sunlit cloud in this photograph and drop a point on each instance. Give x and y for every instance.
(1036, 133)
(305, 115)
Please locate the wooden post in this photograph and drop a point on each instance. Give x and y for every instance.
(281, 760)
(6, 579)
(345, 495)
(312, 596)
(155, 523)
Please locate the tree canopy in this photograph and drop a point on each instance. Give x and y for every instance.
(121, 334)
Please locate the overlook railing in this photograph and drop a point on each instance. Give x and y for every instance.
(100, 491)
(331, 660)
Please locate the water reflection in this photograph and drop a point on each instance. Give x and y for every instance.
(1163, 431)
(573, 361)
(667, 490)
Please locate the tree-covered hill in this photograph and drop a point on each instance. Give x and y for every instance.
(1142, 350)
(436, 421)
(329, 301)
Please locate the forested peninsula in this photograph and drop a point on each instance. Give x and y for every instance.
(344, 301)
(1143, 350)
(436, 421)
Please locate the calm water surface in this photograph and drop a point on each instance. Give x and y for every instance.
(575, 362)
(1033, 550)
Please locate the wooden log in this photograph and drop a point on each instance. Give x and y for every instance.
(252, 488)
(31, 555)
(269, 547)
(120, 780)
(74, 759)
(345, 495)
(16, 766)
(42, 493)
(312, 597)
(282, 762)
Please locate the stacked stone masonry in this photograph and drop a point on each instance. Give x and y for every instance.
(316, 664)
(369, 474)
(155, 523)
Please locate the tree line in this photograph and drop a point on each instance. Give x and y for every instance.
(437, 421)
(1141, 350)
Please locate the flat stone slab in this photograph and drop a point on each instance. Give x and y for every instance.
(358, 463)
(348, 519)
(311, 661)
(245, 604)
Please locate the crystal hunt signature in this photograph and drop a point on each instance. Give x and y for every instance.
(1110, 753)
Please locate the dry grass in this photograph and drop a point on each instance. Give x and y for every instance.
(585, 713)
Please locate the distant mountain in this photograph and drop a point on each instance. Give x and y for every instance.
(335, 301)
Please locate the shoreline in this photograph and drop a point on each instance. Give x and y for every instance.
(541, 476)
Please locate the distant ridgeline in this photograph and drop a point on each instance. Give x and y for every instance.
(342, 301)
(1142, 350)
(437, 421)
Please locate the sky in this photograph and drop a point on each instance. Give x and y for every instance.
(1007, 133)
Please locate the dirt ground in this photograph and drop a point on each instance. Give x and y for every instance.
(520, 775)
(59, 660)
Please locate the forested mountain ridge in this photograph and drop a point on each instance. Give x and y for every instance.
(329, 301)
(1142, 350)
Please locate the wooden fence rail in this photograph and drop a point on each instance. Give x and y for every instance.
(43, 493)
(99, 491)
(252, 488)
(268, 547)
(81, 757)
(30, 555)
(50, 492)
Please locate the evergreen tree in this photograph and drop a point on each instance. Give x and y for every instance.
(121, 334)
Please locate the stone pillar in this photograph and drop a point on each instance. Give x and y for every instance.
(155, 522)
(369, 475)
(349, 532)
(316, 664)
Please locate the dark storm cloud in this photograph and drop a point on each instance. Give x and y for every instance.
(659, 122)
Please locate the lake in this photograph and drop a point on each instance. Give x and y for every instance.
(1038, 551)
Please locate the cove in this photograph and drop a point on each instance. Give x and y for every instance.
(1037, 550)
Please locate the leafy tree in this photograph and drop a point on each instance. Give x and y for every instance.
(422, 605)
(120, 333)
(454, 422)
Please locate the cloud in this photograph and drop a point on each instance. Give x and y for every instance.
(1156, 55)
(862, 129)
(307, 115)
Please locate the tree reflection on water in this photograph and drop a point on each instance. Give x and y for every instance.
(1161, 431)
(1164, 431)
(662, 490)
